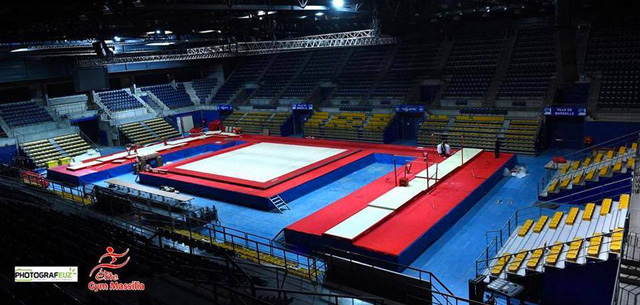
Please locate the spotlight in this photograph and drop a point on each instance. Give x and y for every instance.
(319, 14)
(158, 32)
(338, 3)
(116, 38)
(261, 13)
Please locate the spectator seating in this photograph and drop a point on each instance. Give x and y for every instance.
(204, 88)
(322, 67)
(55, 151)
(148, 131)
(353, 126)
(279, 74)
(119, 100)
(522, 136)
(560, 237)
(413, 61)
(475, 131)
(247, 72)
(531, 67)
(171, 97)
(361, 71)
(597, 165)
(256, 122)
(472, 64)
(23, 114)
(431, 130)
(613, 51)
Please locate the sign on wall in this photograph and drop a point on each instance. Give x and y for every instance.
(225, 107)
(301, 106)
(410, 108)
(565, 111)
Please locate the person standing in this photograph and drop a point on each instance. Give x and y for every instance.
(497, 150)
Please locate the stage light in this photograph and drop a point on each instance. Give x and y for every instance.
(338, 3)
(116, 38)
(319, 14)
(158, 32)
(261, 13)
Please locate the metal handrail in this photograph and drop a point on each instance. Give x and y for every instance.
(495, 242)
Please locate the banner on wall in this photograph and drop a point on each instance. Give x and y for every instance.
(565, 111)
(301, 106)
(410, 108)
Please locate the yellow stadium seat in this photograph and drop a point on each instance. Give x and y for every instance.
(499, 266)
(624, 202)
(565, 168)
(631, 162)
(591, 175)
(588, 211)
(594, 245)
(517, 261)
(575, 165)
(604, 170)
(554, 253)
(534, 260)
(565, 182)
(598, 158)
(610, 154)
(634, 146)
(616, 240)
(525, 227)
(540, 224)
(553, 185)
(578, 178)
(622, 150)
(618, 166)
(586, 162)
(573, 214)
(574, 249)
(555, 221)
(606, 206)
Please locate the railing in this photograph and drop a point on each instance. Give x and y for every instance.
(582, 257)
(440, 293)
(551, 175)
(625, 140)
(496, 238)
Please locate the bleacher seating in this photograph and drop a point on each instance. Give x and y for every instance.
(204, 88)
(531, 67)
(412, 62)
(560, 237)
(613, 51)
(256, 122)
(24, 113)
(522, 136)
(322, 67)
(283, 69)
(249, 71)
(119, 100)
(148, 131)
(600, 163)
(351, 126)
(475, 131)
(431, 130)
(472, 65)
(171, 97)
(361, 71)
(55, 151)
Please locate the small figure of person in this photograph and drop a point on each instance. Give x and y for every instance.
(444, 150)
(497, 150)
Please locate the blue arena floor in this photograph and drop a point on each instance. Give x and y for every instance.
(452, 257)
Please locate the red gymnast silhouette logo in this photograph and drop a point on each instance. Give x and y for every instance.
(112, 264)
